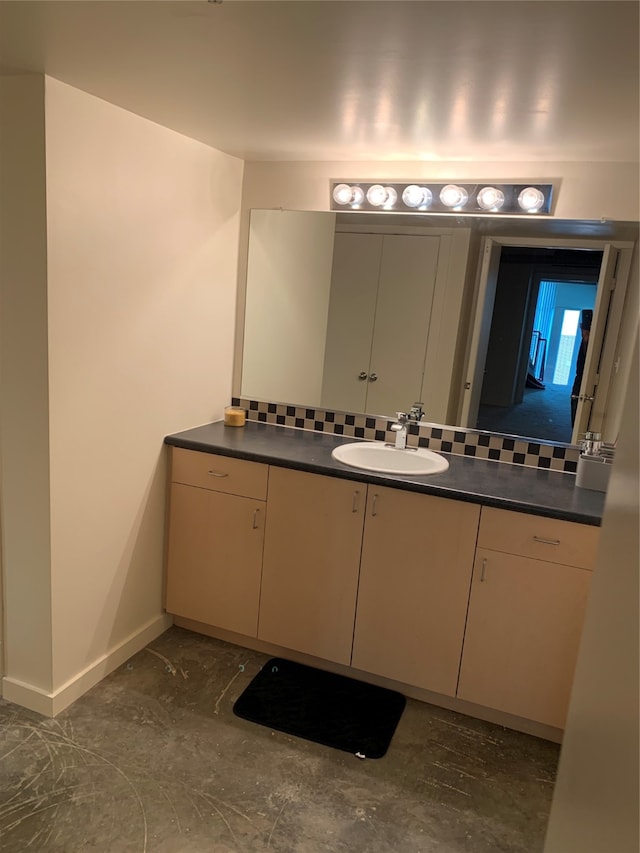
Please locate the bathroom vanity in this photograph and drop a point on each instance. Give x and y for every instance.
(465, 588)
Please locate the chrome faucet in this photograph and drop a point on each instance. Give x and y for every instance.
(400, 429)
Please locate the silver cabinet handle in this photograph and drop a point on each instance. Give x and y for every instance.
(255, 519)
(217, 474)
(483, 569)
(356, 501)
(373, 377)
(362, 375)
(546, 541)
(374, 505)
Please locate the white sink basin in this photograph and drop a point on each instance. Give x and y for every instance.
(375, 456)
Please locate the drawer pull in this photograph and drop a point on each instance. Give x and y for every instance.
(546, 541)
(255, 519)
(483, 569)
(356, 501)
(374, 507)
(217, 474)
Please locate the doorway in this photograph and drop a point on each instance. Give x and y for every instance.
(503, 357)
(534, 341)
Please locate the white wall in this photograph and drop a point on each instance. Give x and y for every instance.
(584, 190)
(289, 274)
(595, 804)
(142, 234)
(24, 424)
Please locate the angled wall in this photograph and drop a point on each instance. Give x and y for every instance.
(24, 394)
(142, 232)
(595, 803)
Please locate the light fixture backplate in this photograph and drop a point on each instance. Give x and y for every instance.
(511, 191)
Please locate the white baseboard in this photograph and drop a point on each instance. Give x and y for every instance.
(27, 696)
(51, 704)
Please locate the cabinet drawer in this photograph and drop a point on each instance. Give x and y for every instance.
(540, 538)
(219, 473)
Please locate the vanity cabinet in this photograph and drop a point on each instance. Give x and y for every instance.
(529, 591)
(441, 595)
(410, 575)
(311, 562)
(215, 540)
(417, 558)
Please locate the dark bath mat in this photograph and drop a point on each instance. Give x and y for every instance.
(329, 709)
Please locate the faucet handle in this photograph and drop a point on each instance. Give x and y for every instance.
(416, 413)
(402, 417)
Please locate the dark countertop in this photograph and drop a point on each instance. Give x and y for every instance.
(515, 487)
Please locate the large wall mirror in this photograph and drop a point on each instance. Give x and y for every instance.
(483, 320)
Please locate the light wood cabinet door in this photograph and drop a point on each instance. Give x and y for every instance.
(417, 561)
(522, 637)
(215, 558)
(311, 560)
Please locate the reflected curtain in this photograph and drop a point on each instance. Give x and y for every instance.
(543, 319)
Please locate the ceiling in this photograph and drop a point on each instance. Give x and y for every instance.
(523, 80)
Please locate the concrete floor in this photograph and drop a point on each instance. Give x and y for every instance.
(153, 760)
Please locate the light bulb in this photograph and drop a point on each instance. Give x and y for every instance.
(392, 197)
(377, 195)
(358, 196)
(490, 198)
(453, 196)
(531, 199)
(342, 194)
(415, 196)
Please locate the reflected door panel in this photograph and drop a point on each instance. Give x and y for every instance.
(380, 309)
(403, 315)
(590, 406)
(352, 311)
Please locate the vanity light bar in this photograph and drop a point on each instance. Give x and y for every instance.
(418, 197)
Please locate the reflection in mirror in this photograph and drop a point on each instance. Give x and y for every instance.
(369, 313)
(352, 320)
(532, 366)
(380, 314)
(287, 305)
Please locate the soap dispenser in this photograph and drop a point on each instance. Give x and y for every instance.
(594, 464)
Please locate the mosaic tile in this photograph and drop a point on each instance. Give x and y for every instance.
(482, 452)
(473, 443)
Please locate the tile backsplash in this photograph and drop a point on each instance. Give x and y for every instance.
(462, 442)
